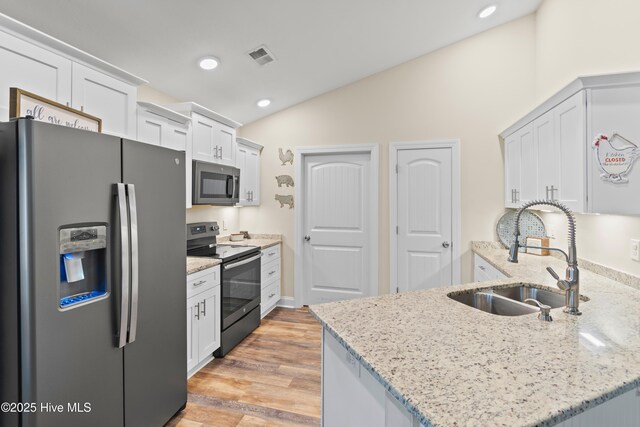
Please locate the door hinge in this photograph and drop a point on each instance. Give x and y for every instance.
(397, 230)
(397, 168)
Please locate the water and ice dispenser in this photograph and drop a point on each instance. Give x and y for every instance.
(83, 265)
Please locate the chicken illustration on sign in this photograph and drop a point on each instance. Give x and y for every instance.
(615, 157)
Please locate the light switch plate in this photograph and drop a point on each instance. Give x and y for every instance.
(635, 249)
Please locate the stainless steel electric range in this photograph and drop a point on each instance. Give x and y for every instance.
(239, 280)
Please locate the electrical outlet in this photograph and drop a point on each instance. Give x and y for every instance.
(635, 250)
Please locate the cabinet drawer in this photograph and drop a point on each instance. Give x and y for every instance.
(270, 272)
(489, 271)
(270, 297)
(202, 281)
(270, 254)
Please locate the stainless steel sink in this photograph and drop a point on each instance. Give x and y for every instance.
(521, 292)
(493, 303)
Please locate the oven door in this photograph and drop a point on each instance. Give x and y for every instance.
(215, 184)
(240, 288)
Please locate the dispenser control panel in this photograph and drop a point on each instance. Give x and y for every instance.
(82, 239)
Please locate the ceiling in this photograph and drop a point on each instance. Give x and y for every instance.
(319, 45)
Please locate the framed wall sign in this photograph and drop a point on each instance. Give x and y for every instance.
(23, 103)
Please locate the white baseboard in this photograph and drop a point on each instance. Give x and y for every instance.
(286, 302)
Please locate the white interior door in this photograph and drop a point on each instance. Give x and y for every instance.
(337, 227)
(424, 219)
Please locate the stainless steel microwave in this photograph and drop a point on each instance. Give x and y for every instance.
(215, 184)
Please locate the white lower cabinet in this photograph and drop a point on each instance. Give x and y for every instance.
(351, 396)
(203, 317)
(483, 271)
(270, 279)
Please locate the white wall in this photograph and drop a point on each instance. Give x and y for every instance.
(582, 37)
(471, 90)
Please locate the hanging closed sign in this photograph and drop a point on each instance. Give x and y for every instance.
(615, 157)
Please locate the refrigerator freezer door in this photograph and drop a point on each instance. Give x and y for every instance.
(68, 356)
(155, 364)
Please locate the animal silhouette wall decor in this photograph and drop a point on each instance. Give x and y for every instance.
(285, 200)
(615, 157)
(284, 180)
(285, 157)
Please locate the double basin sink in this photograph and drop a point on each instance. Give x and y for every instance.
(509, 301)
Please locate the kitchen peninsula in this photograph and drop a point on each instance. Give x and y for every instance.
(425, 358)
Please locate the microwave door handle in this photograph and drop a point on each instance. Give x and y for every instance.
(124, 249)
(243, 262)
(133, 214)
(230, 186)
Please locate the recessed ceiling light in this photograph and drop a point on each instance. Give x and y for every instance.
(264, 103)
(487, 11)
(209, 63)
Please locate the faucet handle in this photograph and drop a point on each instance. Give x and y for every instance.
(545, 310)
(553, 273)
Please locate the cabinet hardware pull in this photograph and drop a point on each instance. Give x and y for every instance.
(481, 267)
(199, 283)
(271, 272)
(204, 307)
(271, 295)
(197, 315)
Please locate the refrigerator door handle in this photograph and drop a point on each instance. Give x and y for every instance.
(133, 224)
(124, 280)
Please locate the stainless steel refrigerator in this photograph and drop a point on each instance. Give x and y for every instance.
(93, 284)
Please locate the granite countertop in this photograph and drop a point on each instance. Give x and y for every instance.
(195, 264)
(261, 240)
(453, 365)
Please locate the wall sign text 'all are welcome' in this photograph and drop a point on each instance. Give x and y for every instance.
(23, 103)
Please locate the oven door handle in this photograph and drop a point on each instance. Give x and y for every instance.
(243, 262)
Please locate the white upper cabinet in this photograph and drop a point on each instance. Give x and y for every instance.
(45, 66)
(248, 161)
(161, 126)
(213, 135)
(34, 69)
(110, 99)
(568, 167)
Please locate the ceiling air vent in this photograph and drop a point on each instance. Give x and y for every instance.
(261, 55)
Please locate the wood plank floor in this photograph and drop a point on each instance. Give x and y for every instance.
(272, 378)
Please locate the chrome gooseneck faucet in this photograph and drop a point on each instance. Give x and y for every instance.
(571, 284)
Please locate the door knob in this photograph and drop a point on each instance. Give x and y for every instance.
(307, 238)
(446, 244)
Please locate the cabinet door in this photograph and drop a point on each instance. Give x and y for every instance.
(512, 170)
(209, 324)
(350, 394)
(225, 140)
(193, 314)
(544, 137)
(241, 163)
(176, 136)
(150, 127)
(529, 167)
(33, 69)
(570, 133)
(105, 97)
(203, 130)
(253, 178)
